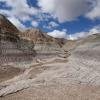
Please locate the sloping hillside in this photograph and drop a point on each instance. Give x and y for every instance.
(37, 36)
(12, 47)
(59, 72)
(44, 44)
(81, 72)
(6, 25)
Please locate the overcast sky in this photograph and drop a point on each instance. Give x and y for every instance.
(71, 19)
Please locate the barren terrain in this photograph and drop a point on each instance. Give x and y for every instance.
(74, 78)
(35, 66)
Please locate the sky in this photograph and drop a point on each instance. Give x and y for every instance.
(69, 19)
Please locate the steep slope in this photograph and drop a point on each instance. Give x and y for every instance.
(37, 36)
(12, 47)
(6, 25)
(43, 44)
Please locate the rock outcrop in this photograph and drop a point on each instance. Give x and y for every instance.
(44, 44)
(12, 47)
(6, 25)
(14, 43)
(37, 36)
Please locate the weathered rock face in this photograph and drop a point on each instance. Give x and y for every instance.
(31, 42)
(37, 36)
(12, 47)
(44, 44)
(6, 25)
(7, 33)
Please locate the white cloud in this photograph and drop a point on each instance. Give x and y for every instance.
(35, 23)
(75, 36)
(94, 30)
(65, 10)
(58, 34)
(78, 35)
(20, 10)
(95, 12)
(64, 34)
(53, 24)
(16, 22)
